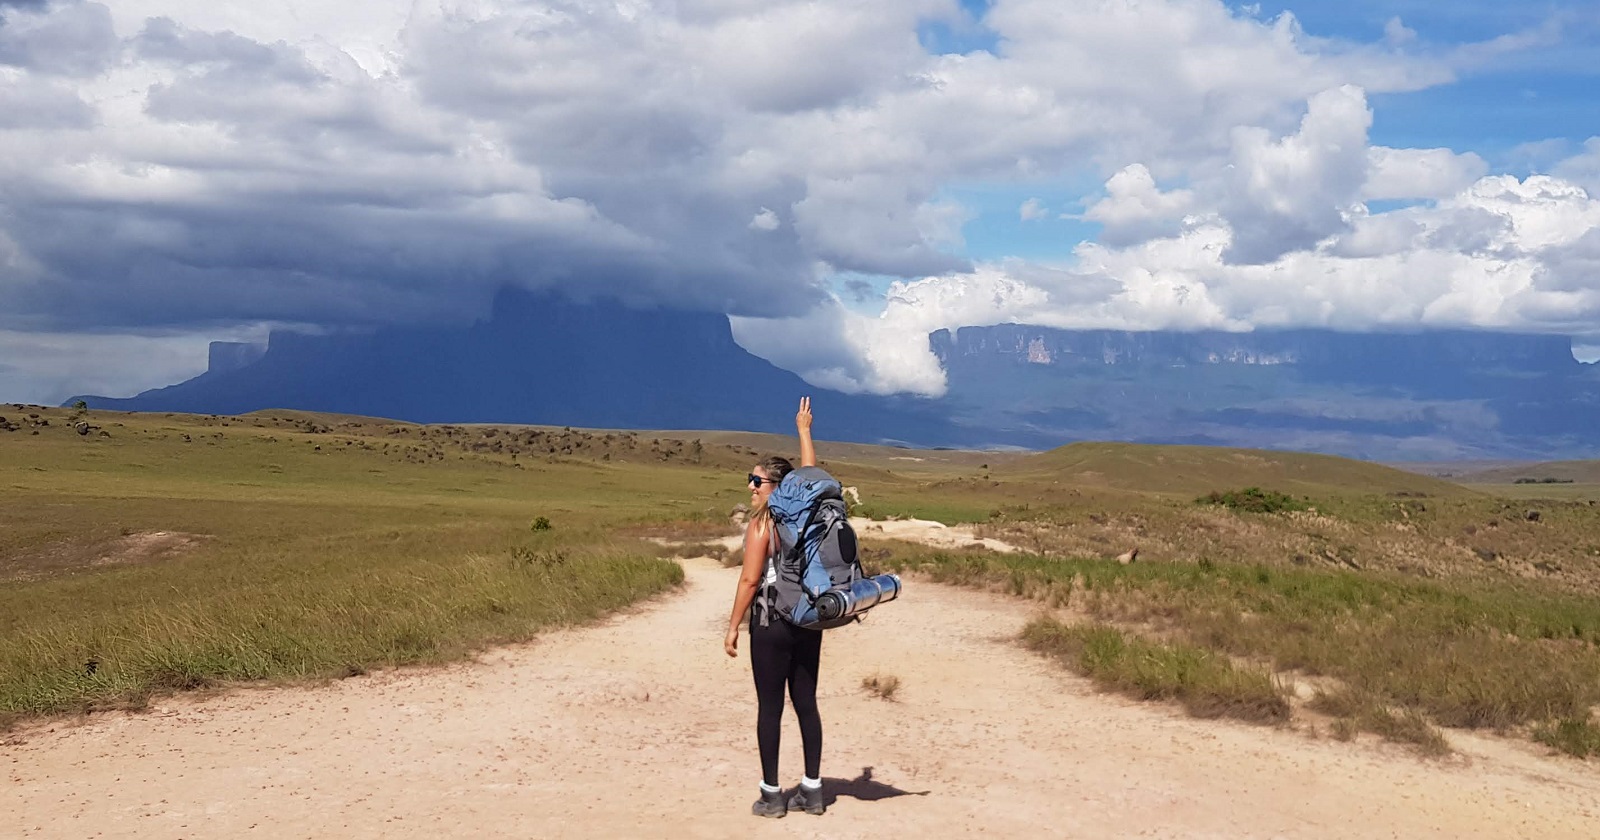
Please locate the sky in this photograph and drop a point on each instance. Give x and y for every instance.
(839, 178)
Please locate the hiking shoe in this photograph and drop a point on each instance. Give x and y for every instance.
(808, 800)
(769, 805)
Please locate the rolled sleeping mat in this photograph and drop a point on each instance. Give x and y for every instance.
(858, 597)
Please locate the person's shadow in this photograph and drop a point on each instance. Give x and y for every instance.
(863, 788)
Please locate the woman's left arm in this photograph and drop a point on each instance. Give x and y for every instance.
(750, 574)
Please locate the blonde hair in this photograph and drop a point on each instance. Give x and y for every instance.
(776, 467)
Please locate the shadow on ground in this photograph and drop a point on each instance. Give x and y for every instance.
(863, 788)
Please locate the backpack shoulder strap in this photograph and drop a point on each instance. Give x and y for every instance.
(769, 592)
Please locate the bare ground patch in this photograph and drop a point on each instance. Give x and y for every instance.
(76, 554)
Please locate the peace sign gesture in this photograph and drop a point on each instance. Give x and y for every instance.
(802, 423)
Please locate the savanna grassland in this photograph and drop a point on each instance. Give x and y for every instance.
(142, 554)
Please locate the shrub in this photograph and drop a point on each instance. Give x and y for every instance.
(541, 524)
(1253, 500)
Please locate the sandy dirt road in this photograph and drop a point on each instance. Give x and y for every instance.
(641, 727)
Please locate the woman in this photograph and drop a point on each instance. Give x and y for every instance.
(781, 654)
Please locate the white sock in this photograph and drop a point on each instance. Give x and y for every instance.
(772, 788)
(808, 782)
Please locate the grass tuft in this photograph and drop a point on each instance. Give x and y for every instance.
(882, 686)
(1361, 712)
(1208, 685)
(1575, 737)
(1431, 653)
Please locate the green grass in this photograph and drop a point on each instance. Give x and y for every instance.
(316, 546)
(316, 554)
(1455, 654)
(1206, 684)
(339, 605)
(1578, 737)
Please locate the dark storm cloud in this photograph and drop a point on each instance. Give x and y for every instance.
(43, 106)
(72, 39)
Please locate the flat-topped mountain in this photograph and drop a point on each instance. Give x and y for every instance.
(1439, 395)
(541, 360)
(1431, 396)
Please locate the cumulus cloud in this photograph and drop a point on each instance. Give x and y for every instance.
(1289, 193)
(1032, 210)
(1134, 209)
(834, 347)
(1419, 173)
(1501, 253)
(189, 166)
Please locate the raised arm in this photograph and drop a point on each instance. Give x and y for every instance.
(802, 424)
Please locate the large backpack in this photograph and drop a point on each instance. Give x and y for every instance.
(816, 547)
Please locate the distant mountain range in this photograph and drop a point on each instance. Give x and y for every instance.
(545, 361)
(1439, 395)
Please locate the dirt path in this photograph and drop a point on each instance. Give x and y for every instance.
(641, 727)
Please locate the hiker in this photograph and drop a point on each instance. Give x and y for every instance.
(781, 654)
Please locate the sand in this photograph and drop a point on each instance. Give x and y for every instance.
(640, 726)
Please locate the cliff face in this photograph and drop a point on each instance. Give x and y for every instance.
(1324, 351)
(1442, 394)
(540, 360)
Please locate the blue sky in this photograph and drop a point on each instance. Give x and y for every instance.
(1550, 97)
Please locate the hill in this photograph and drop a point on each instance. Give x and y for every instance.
(1543, 472)
(1188, 470)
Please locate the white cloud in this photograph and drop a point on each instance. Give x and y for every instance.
(1287, 194)
(764, 219)
(1032, 210)
(1135, 209)
(889, 352)
(175, 164)
(1419, 173)
(1501, 253)
(1397, 33)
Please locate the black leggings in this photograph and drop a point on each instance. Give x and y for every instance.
(780, 654)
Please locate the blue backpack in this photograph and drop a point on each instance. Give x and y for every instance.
(815, 551)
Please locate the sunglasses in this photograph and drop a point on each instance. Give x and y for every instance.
(758, 480)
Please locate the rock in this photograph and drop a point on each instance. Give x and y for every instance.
(739, 515)
(82, 427)
(1128, 556)
(1532, 516)
(852, 495)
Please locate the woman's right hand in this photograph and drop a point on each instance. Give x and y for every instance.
(802, 418)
